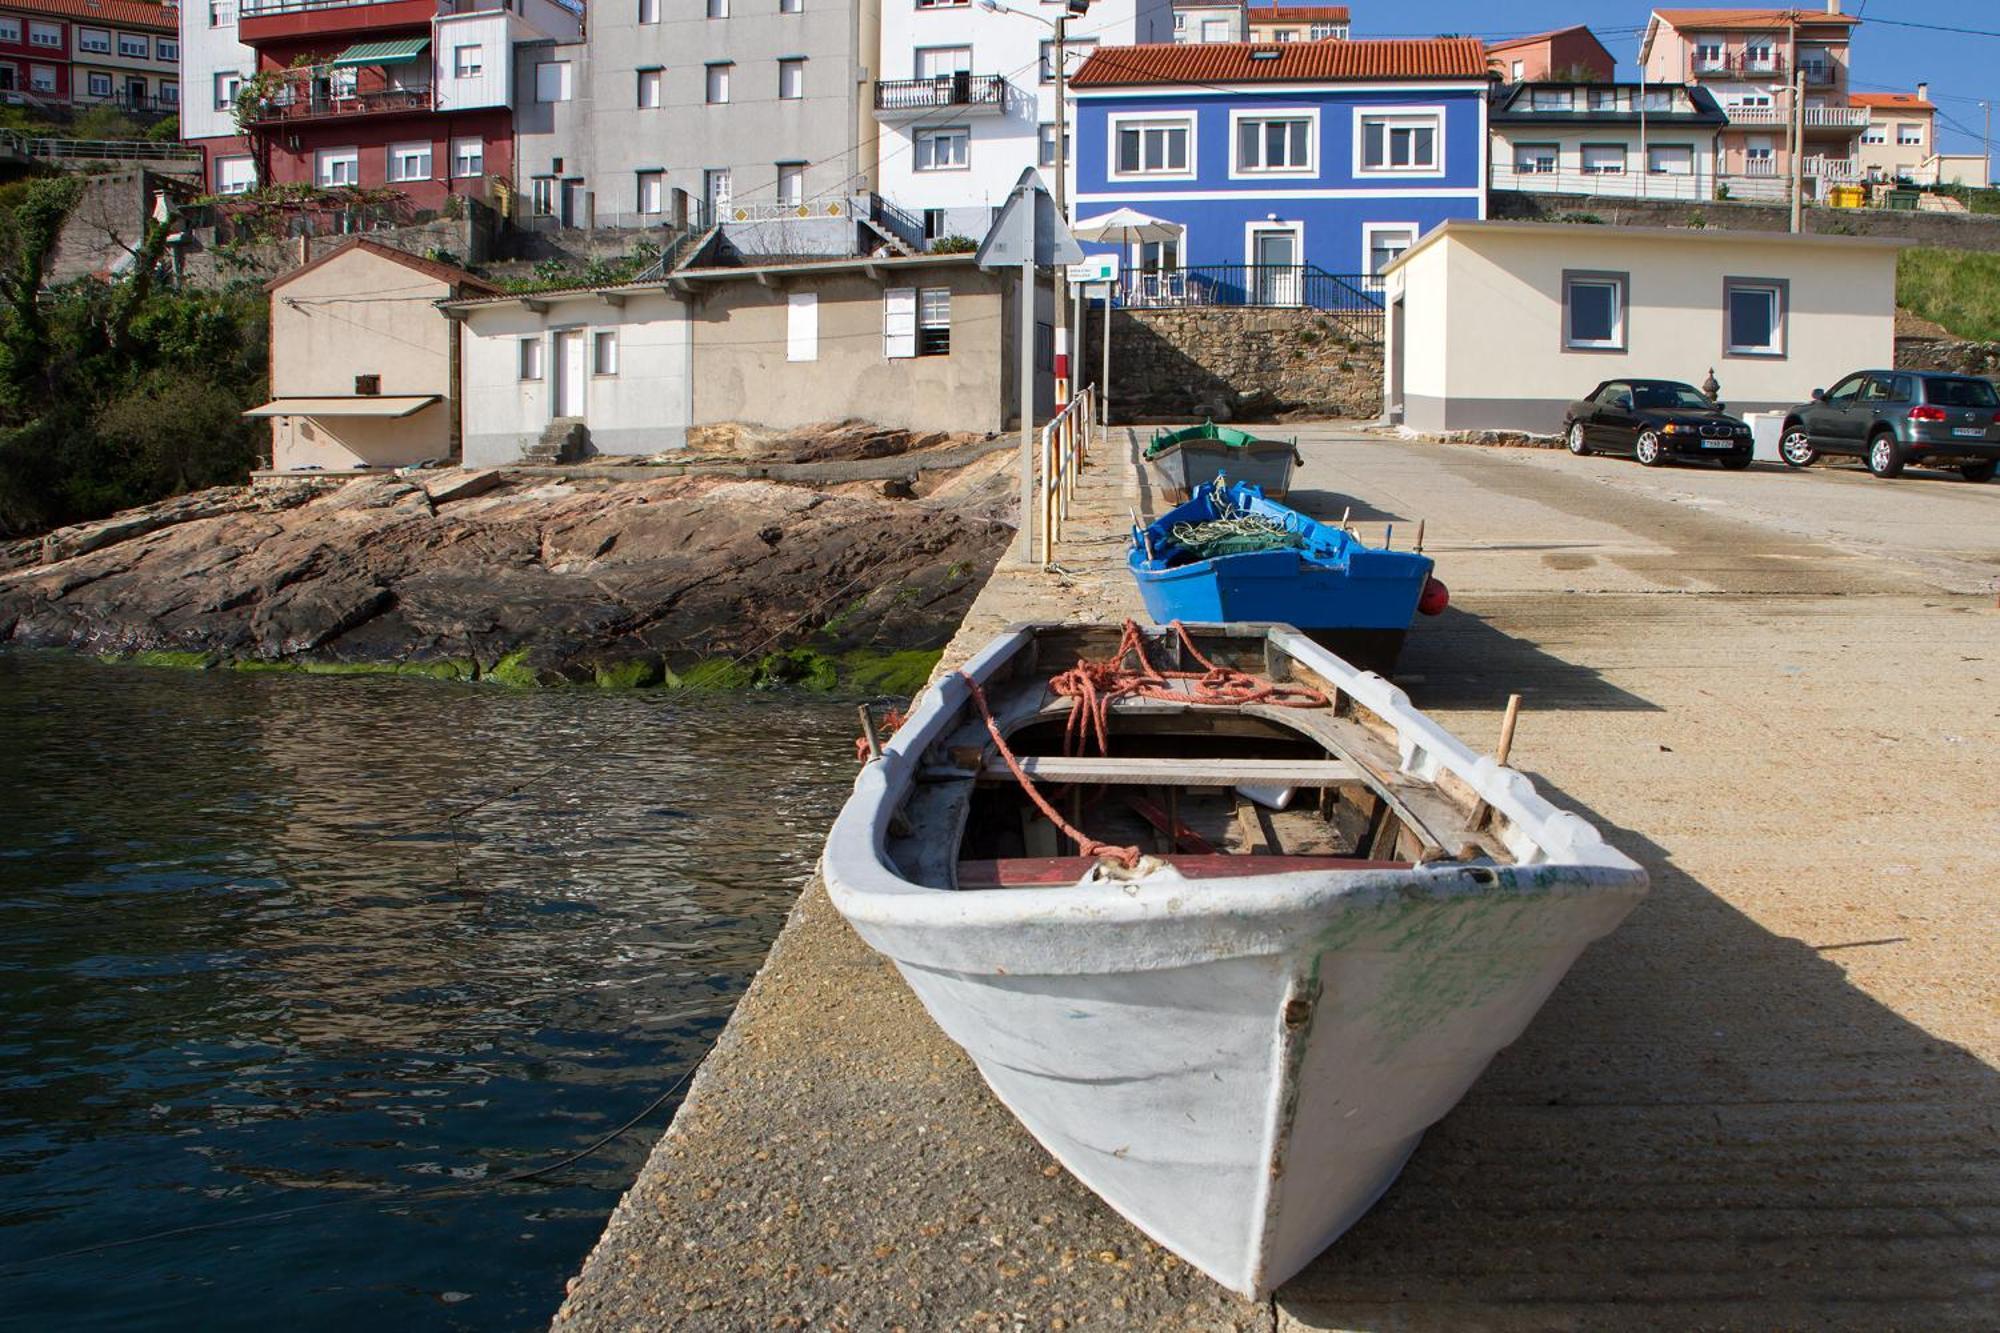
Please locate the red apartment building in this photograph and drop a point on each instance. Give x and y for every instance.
(34, 51)
(412, 95)
(63, 53)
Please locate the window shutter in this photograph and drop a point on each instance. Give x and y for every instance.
(802, 326)
(899, 322)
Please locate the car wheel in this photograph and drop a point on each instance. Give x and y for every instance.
(1649, 451)
(1735, 464)
(1885, 456)
(1797, 448)
(1577, 444)
(1979, 472)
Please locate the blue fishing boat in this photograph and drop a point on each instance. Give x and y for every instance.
(1231, 556)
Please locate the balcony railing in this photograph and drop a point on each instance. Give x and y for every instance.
(284, 109)
(1736, 65)
(1351, 295)
(1760, 166)
(264, 9)
(1539, 179)
(974, 92)
(1817, 117)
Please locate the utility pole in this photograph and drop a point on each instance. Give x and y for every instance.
(1986, 144)
(1061, 312)
(1796, 123)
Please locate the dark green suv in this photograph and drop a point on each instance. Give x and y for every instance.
(1891, 418)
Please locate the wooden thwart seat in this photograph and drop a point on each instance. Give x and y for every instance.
(1049, 871)
(1181, 772)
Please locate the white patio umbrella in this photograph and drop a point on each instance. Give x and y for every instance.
(1127, 227)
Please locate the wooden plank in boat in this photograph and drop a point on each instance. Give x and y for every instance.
(1047, 871)
(1182, 772)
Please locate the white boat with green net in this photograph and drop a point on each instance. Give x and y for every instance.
(1177, 461)
(1229, 968)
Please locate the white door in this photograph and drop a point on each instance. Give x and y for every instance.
(571, 375)
(1277, 277)
(716, 182)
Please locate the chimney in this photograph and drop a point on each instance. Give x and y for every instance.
(1833, 6)
(1923, 92)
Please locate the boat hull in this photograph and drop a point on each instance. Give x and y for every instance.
(1239, 1065)
(1266, 464)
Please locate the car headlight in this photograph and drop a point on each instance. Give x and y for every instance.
(1675, 428)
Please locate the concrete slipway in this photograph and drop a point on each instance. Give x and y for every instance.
(1770, 1100)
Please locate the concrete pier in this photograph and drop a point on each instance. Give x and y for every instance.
(1768, 1100)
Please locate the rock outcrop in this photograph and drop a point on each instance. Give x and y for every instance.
(617, 581)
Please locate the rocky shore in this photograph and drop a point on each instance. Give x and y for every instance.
(525, 579)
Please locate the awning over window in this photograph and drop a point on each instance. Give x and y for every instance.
(379, 405)
(400, 51)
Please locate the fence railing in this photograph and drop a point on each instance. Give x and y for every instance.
(96, 150)
(1065, 449)
(1603, 184)
(904, 225)
(971, 91)
(1736, 65)
(289, 105)
(1248, 285)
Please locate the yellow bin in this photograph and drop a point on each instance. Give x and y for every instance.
(1848, 196)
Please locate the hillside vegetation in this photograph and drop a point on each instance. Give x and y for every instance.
(1959, 289)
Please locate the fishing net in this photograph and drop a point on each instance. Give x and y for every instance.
(1238, 534)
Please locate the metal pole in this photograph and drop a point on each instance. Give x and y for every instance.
(1104, 382)
(1061, 58)
(1799, 143)
(1986, 146)
(1645, 166)
(1027, 336)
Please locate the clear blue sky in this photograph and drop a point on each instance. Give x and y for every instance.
(1963, 68)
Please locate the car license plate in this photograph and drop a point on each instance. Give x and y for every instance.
(1715, 444)
(1969, 432)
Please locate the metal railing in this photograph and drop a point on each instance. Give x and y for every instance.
(257, 9)
(972, 91)
(282, 109)
(904, 225)
(1602, 184)
(95, 150)
(1248, 285)
(1065, 450)
(1736, 65)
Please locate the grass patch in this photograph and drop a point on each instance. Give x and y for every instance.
(635, 673)
(799, 667)
(1959, 289)
(712, 673)
(163, 657)
(446, 670)
(513, 669)
(871, 671)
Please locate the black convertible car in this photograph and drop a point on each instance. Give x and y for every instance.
(1655, 421)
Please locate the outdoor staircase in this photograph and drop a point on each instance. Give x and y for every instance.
(564, 440)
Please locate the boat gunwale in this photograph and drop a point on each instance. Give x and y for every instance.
(1154, 568)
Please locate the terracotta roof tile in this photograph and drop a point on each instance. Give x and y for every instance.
(116, 13)
(1283, 62)
(1298, 14)
(1891, 101)
(1733, 19)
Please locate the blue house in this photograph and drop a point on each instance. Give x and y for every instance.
(1281, 161)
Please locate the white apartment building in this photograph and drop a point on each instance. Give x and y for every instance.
(213, 66)
(1198, 21)
(965, 97)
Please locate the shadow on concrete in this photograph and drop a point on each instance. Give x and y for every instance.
(1707, 1125)
(1459, 660)
(1330, 505)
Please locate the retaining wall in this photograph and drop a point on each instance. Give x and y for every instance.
(1232, 365)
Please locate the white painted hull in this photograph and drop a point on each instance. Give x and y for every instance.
(1239, 1066)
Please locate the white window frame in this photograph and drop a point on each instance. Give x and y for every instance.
(1045, 144)
(1909, 134)
(1584, 167)
(46, 35)
(41, 78)
(603, 353)
(170, 94)
(927, 162)
(925, 61)
(716, 76)
(1621, 286)
(1391, 114)
(795, 67)
(1238, 171)
(1876, 133)
(142, 49)
(1116, 124)
(1780, 293)
(793, 174)
(469, 60)
(228, 83)
(248, 181)
(926, 296)
(899, 323)
(1080, 47)
(96, 41)
(459, 158)
(560, 70)
(91, 80)
(415, 148)
(656, 177)
(649, 11)
(1296, 227)
(330, 157)
(718, 9)
(1688, 148)
(791, 6)
(166, 48)
(528, 359)
(1369, 230)
(651, 91)
(10, 30)
(1527, 164)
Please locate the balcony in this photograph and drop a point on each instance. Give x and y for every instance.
(970, 94)
(294, 106)
(275, 20)
(1837, 119)
(1736, 65)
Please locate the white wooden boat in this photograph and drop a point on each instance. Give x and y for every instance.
(1236, 1048)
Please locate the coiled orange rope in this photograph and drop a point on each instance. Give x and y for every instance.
(1093, 687)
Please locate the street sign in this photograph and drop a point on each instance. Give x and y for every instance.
(1029, 229)
(1095, 270)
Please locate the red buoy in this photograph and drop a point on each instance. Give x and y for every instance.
(1434, 598)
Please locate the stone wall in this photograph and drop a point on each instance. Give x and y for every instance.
(1956, 231)
(1948, 354)
(203, 262)
(1235, 365)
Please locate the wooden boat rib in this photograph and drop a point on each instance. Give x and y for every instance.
(1237, 1047)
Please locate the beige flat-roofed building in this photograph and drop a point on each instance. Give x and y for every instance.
(916, 342)
(364, 368)
(1501, 325)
